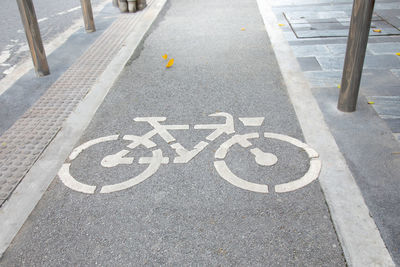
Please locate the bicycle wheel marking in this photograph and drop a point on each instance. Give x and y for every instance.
(228, 175)
(154, 163)
(242, 140)
(90, 143)
(72, 183)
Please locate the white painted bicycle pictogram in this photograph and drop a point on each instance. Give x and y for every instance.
(183, 155)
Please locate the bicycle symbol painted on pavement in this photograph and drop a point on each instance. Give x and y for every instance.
(184, 156)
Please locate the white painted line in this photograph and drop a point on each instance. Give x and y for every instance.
(147, 160)
(296, 142)
(242, 140)
(73, 9)
(9, 70)
(227, 128)
(155, 163)
(5, 54)
(117, 159)
(229, 176)
(252, 121)
(42, 19)
(90, 143)
(311, 175)
(357, 231)
(70, 181)
(17, 208)
(141, 140)
(187, 155)
(61, 13)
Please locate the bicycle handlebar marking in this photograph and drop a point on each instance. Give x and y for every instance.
(183, 155)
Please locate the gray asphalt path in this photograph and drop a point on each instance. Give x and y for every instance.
(186, 214)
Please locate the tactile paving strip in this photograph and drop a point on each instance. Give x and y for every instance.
(24, 142)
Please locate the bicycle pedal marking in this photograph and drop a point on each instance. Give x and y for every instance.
(117, 159)
(266, 159)
(184, 155)
(154, 164)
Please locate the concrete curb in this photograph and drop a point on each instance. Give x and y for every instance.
(28, 193)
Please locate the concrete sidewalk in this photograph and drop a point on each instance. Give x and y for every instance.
(155, 179)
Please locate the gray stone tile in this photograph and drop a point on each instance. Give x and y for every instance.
(380, 82)
(331, 63)
(394, 125)
(337, 49)
(389, 6)
(396, 72)
(321, 41)
(382, 62)
(324, 78)
(322, 33)
(374, 78)
(370, 62)
(385, 28)
(313, 26)
(384, 48)
(309, 64)
(310, 50)
(289, 36)
(387, 107)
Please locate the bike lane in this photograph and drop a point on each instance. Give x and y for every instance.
(186, 213)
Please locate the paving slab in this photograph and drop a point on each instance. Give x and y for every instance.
(188, 213)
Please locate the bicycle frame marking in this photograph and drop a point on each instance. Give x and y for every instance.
(184, 155)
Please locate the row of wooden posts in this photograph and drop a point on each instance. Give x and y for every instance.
(31, 26)
(353, 65)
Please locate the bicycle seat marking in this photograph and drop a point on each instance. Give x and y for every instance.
(183, 155)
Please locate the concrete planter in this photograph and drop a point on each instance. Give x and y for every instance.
(132, 5)
(141, 4)
(123, 5)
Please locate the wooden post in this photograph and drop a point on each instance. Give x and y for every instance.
(29, 20)
(88, 15)
(355, 54)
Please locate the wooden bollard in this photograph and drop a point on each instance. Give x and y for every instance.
(88, 16)
(31, 26)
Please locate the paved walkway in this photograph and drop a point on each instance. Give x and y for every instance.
(316, 31)
(202, 163)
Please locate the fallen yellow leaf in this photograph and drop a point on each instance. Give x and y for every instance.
(377, 30)
(242, 29)
(371, 102)
(280, 24)
(170, 63)
(398, 54)
(165, 56)
(338, 86)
